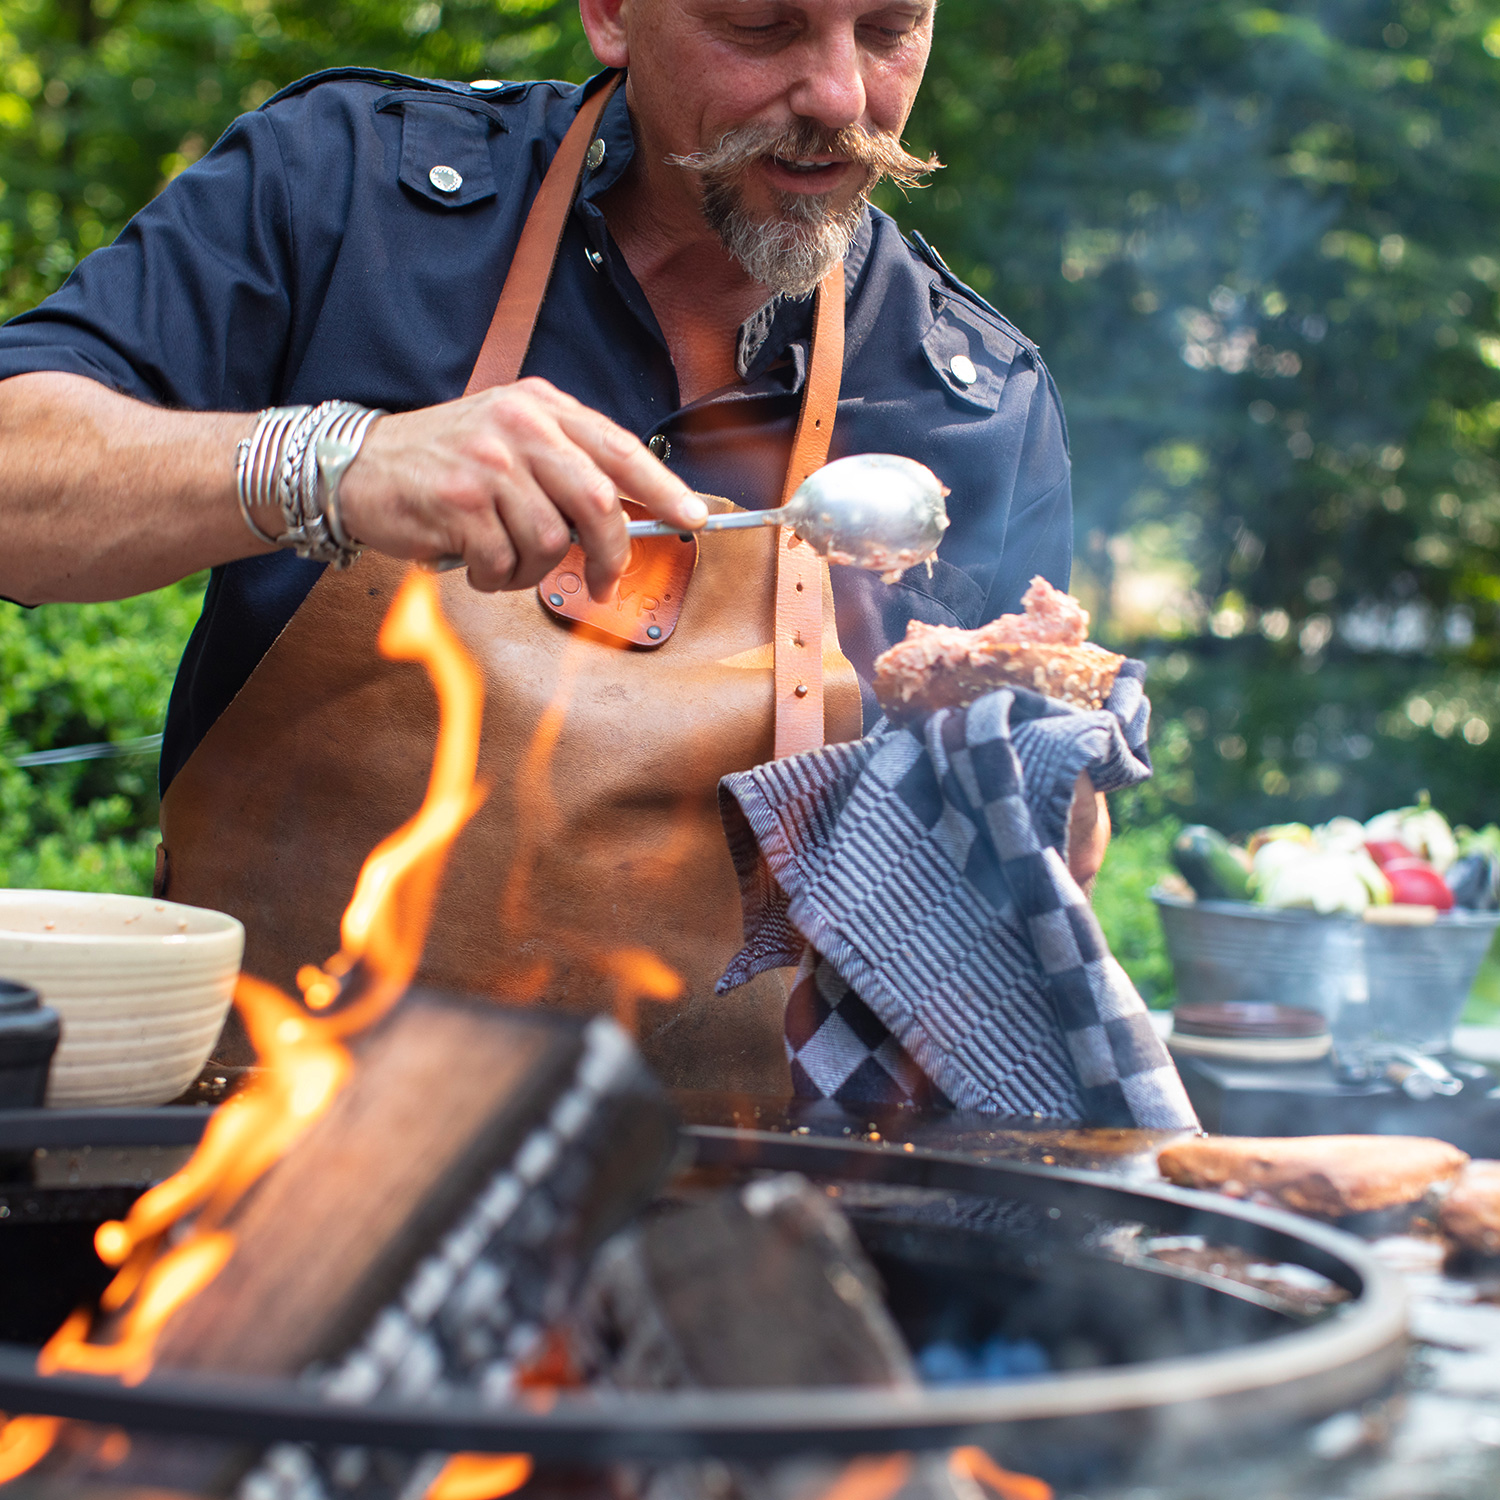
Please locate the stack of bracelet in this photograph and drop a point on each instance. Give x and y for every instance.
(289, 469)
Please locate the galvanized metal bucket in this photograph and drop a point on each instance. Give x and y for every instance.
(1398, 984)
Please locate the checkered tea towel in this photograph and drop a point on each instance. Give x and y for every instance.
(945, 953)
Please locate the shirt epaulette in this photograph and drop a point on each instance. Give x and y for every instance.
(387, 78)
(928, 253)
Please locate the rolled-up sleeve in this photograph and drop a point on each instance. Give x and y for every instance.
(191, 306)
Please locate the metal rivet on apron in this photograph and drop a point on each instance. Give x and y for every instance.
(660, 448)
(801, 690)
(963, 369)
(595, 159)
(555, 600)
(486, 85)
(445, 179)
(654, 631)
(594, 258)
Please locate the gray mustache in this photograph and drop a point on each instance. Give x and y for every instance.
(882, 154)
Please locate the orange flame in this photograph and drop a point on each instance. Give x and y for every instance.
(871, 1478)
(976, 1464)
(480, 1476)
(639, 975)
(533, 791)
(304, 1061)
(385, 924)
(181, 1273)
(24, 1442)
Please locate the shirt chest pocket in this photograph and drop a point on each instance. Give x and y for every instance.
(970, 356)
(445, 150)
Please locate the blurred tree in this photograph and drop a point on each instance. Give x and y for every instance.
(1258, 247)
(104, 101)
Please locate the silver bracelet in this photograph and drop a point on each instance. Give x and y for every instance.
(257, 463)
(334, 449)
(290, 469)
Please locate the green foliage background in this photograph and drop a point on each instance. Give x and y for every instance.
(1257, 243)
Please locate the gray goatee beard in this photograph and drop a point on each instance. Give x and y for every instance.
(806, 237)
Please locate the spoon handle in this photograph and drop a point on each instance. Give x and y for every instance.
(734, 520)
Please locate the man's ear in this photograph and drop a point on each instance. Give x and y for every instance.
(604, 23)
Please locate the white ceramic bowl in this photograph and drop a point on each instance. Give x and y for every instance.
(142, 987)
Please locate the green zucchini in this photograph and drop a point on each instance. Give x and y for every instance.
(1208, 863)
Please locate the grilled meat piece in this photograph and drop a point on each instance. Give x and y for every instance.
(1044, 649)
(1328, 1175)
(1470, 1215)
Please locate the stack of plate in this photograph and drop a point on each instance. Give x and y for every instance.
(1249, 1031)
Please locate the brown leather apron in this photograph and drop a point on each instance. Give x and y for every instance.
(598, 854)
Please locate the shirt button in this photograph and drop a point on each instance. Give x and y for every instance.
(486, 85)
(593, 258)
(963, 369)
(595, 159)
(445, 179)
(660, 447)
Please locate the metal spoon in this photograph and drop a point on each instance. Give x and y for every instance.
(874, 510)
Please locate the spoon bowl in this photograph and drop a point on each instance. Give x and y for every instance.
(872, 510)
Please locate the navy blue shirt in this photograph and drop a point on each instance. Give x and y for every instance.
(309, 255)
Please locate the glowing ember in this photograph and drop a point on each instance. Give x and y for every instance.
(304, 1062)
(976, 1464)
(480, 1476)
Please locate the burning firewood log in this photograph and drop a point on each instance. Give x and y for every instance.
(762, 1287)
(423, 1234)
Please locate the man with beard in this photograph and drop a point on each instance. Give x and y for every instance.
(275, 366)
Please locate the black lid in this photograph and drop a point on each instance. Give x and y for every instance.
(16, 996)
(1246, 1020)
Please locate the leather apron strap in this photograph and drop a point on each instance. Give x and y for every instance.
(799, 570)
(509, 336)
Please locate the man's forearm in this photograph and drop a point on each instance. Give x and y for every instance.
(102, 496)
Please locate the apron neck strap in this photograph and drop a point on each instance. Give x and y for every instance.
(801, 575)
(825, 373)
(800, 572)
(504, 349)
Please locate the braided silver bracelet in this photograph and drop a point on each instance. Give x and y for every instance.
(289, 470)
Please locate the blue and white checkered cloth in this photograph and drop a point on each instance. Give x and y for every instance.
(945, 955)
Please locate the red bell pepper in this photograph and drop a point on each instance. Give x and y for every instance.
(1383, 851)
(1415, 883)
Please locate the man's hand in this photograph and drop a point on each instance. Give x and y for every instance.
(1088, 831)
(497, 478)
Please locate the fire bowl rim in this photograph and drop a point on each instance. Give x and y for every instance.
(1298, 1376)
